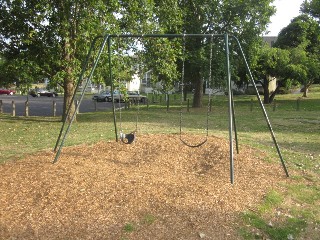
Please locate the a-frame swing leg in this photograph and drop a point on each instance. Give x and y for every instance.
(230, 104)
(59, 140)
(234, 123)
(263, 109)
(75, 90)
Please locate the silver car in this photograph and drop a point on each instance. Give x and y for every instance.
(104, 96)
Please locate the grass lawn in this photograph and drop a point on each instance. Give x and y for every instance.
(293, 213)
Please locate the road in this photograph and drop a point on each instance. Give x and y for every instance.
(43, 106)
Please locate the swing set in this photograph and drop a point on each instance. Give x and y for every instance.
(130, 137)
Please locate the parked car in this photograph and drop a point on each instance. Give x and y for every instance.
(43, 92)
(135, 96)
(7, 91)
(104, 96)
(131, 96)
(117, 96)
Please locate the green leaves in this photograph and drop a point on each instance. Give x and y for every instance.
(302, 38)
(311, 7)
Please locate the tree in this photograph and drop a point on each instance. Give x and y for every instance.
(302, 38)
(271, 63)
(51, 38)
(243, 19)
(302, 31)
(303, 67)
(312, 8)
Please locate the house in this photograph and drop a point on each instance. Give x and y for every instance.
(272, 81)
(270, 40)
(91, 88)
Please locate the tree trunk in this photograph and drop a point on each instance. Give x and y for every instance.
(69, 88)
(272, 96)
(185, 94)
(305, 90)
(68, 84)
(306, 87)
(198, 92)
(266, 97)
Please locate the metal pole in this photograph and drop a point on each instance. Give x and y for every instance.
(234, 124)
(112, 91)
(188, 105)
(77, 103)
(54, 108)
(298, 104)
(26, 112)
(226, 40)
(263, 109)
(13, 109)
(73, 97)
(192, 35)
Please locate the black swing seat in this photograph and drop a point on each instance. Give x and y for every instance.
(127, 138)
(194, 146)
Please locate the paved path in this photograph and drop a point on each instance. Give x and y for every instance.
(43, 106)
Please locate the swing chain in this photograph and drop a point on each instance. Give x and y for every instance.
(209, 98)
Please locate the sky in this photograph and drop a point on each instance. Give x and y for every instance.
(286, 10)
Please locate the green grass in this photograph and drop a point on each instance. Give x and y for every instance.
(295, 121)
(261, 229)
(265, 223)
(149, 219)
(272, 199)
(146, 220)
(129, 227)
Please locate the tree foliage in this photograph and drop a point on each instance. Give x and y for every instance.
(302, 38)
(303, 31)
(270, 64)
(51, 38)
(312, 8)
(244, 19)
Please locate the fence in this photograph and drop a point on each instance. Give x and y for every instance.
(46, 107)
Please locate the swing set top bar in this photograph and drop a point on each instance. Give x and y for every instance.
(199, 35)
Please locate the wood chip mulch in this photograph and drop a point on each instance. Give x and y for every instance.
(155, 188)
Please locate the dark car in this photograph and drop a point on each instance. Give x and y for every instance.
(40, 93)
(7, 91)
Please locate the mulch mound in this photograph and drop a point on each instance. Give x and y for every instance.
(155, 188)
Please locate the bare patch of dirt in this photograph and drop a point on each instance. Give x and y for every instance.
(155, 188)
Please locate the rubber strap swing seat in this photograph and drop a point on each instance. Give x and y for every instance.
(127, 138)
(182, 90)
(193, 146)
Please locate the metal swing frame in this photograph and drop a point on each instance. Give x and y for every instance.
(106, 40)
